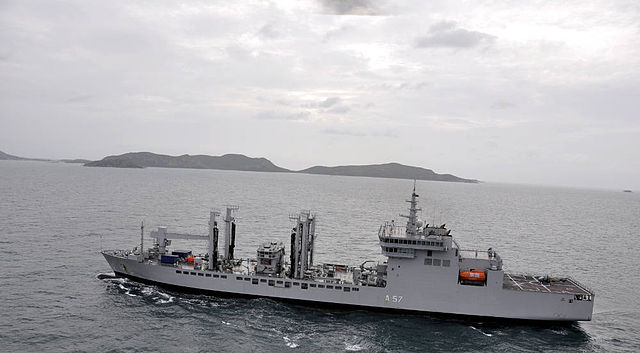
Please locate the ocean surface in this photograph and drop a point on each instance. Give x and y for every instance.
(55, 218)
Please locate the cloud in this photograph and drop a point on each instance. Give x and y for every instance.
(500, 105)
(333, 105)
(287, 116)
(340, 109)
(460, 124)
(329, 102)
(352, 7)
(356, 132)
(269, 31)
(337, 32)
(447, 34)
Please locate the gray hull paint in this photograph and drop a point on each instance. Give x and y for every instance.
(435, 291)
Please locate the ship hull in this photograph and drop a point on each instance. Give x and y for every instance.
(459, 301)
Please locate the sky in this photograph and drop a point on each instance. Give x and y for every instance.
(507, 91)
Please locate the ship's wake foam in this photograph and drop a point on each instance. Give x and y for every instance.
(484, 333)
(134, 289)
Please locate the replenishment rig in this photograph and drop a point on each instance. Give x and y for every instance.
(426, 271)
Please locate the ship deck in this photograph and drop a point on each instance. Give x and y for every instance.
(530, 283)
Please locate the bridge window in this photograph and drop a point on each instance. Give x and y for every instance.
(262, 280)
(215, 276)
(200, 274)
(429, 253)
(254, 281)
(304, 286)
(208, 275)
(223, 276)
(287, 284)
(347, 289)
(446, 263)
(436, 262)
(320, 285)
(428, 261)
(272, 282)
(329, 287)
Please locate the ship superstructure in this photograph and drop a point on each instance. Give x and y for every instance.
(425, 271)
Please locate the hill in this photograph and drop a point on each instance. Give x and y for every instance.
(224, 162)
(388, 170)
(9, 157)
(244, 163)
(6, 156)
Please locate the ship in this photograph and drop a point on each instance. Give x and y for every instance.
(426, 272)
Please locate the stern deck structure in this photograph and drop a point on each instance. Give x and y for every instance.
(532, 283)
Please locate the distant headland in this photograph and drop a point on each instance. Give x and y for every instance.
(10, 157)
(244, 163)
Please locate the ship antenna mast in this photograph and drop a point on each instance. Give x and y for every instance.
(412, 218)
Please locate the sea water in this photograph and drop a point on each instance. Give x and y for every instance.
(55, 218)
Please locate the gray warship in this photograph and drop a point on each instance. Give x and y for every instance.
(426, 271)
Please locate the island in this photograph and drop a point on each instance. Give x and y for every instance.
(387, 170)
(260, 164)
(224, 162)
(244, 163)
(10, 157)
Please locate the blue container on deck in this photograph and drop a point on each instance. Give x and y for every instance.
(169, 259)
(181, 253)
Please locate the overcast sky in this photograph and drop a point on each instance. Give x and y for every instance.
(514, 91)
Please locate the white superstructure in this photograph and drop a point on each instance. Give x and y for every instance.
(426, 271)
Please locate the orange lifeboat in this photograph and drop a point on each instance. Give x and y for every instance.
(190, 259)
(473, 275)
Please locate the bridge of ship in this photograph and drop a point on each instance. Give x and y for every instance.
(531, 283)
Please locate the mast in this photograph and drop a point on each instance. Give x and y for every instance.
(142, 241)
(412, 218)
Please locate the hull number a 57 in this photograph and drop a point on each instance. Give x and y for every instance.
(393, 298)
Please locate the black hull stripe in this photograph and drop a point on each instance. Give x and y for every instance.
(344, 307)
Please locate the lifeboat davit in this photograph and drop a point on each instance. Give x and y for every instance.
(473, 275)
